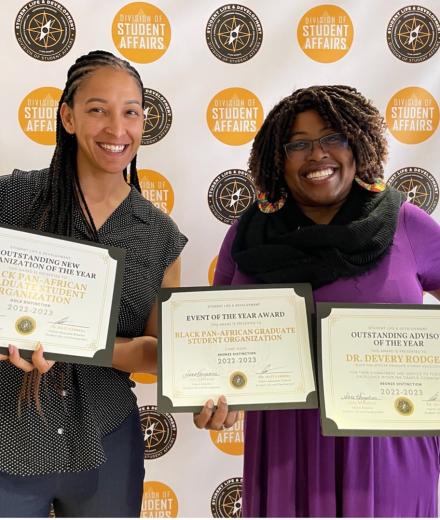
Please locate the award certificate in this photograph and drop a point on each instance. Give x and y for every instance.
(61, 293)
(379, 369)
(249, 343)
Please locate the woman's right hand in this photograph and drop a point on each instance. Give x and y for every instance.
(38, 360)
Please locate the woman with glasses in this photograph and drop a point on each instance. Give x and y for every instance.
(325, 216)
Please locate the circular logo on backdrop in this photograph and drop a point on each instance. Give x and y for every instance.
(45, 30)
(325, 33)
(159, 430)
(37, 114)
(230, 440)
(158, 501)
(157, 189)
(413, 34)
(419, 186)
(143, 378)
(141, 32)
(412, 115)
(234, 116)
(211, 270)
(230, 194)
(158, 117)
(234, 33)
(226, 499)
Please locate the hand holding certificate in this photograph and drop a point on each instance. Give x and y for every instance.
(61, 293)
(251, 344)
(379, 369)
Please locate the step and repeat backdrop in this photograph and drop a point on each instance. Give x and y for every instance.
(211, 71)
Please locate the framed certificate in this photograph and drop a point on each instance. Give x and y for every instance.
(379, 369)
(250, 343)
(62, 293)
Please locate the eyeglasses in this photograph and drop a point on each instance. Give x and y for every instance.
(305, 146)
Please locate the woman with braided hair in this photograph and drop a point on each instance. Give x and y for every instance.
(75, 440)
(324, 216)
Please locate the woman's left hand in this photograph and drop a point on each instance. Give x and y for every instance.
(38, 361)
(218, 419)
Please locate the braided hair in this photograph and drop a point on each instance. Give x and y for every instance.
(344, 109)
(52, 209)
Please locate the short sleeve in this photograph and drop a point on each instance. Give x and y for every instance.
(424, 236)
(225, 269)
(175, 242)
(169, 240)
(17, 191)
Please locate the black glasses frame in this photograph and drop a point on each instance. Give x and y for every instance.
(323, 143)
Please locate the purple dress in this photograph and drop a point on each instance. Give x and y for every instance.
(290, 469)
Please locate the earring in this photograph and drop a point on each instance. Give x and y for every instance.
(270, 207)
(377, 186)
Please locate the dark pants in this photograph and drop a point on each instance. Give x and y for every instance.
(114, 489)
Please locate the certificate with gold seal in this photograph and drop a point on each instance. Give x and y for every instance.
(379, 369)
(61, 293)
(250, 343)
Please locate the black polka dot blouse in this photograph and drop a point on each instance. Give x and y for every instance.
(82, 403)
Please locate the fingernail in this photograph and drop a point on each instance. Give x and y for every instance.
(11, 349)
(210, 404)
(38, 347)
(222, 400)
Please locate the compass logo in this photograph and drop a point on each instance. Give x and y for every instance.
(413, 34)
(234, 33)
(226, 499)
(45, 30)
(158, 117)
(159, 431)
(230, 194)
(419, 186)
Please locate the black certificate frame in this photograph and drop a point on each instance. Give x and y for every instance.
(102, 357)
(328, 425)
(164, 403)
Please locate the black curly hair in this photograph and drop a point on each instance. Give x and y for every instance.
(344, 108)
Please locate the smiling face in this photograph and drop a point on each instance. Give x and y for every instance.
(107, 121)
(318, 180)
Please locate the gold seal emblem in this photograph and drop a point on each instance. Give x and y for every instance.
(25, 325)
(238, 379)
(404, 405)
